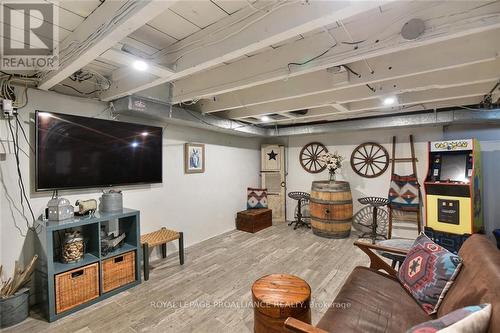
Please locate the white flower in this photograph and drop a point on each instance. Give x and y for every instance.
(333, 161)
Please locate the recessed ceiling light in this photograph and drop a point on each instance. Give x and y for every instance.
(144, 133)
(265, 118)
(134, 144)
(389, 100)
(140, 65)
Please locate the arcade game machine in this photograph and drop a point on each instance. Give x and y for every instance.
(453, 192)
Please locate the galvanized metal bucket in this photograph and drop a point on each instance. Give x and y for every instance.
(14, 309)
(111, 201)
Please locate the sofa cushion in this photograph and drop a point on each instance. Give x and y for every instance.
(428, 272)
(371, 301)
(256, 198)
(478, 281)
(471, 319)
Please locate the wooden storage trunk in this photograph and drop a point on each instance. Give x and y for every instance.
(253, 220)
(118, 271)
(76, 287)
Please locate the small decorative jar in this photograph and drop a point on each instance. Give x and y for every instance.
(60, 209)
(73, 247)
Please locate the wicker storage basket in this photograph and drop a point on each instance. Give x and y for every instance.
(118, 271)
(76, 287)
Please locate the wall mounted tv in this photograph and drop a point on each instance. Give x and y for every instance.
(80, 152)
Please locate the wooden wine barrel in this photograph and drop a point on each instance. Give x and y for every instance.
(330, 207)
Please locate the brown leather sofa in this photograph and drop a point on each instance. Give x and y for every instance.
(378, 302)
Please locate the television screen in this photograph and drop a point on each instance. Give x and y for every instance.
(453, 167)
(79, 152)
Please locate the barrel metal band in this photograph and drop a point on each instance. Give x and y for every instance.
(332, 221)
(331, 190)
(343, 234)
(329, 202)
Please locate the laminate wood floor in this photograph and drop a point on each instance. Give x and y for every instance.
(211, 292)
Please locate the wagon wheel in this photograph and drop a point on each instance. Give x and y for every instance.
(309, 157)
(369, 160)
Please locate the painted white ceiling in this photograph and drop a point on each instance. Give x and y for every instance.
(199, 35)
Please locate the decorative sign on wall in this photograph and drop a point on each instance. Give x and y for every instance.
(369, 160)
(194, 158)
(273, 178)
(452, 145)
(271, 158)
(309, 157)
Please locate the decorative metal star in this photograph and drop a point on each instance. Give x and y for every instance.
(272, 155)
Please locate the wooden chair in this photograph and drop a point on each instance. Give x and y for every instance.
(160, 237)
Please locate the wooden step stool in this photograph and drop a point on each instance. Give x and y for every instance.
(160, 237)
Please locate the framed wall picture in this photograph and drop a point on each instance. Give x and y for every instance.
(194, 158)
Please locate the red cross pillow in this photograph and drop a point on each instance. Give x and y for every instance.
(428, 272)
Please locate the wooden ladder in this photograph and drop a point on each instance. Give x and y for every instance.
(413, 160)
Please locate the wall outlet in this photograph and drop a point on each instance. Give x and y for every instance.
(7, 107)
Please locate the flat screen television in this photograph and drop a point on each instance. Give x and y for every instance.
(80, 152)
(453, 167)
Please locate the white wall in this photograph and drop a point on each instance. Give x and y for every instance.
(201, 205)
(344, 143)
(204, 205)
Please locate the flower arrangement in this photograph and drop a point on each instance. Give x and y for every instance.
(333, 162)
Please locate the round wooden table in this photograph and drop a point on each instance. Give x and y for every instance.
(277, 297)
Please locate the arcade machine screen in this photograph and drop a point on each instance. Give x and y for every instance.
(453, 167)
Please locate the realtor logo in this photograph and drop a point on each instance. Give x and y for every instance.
(29, 35)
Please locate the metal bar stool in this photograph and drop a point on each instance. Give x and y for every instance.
(301, 197)
(375, 203)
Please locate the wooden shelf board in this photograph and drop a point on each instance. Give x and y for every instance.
(125, 248)
(88, 258)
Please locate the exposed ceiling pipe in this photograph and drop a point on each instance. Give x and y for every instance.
(145, 108)
(431, 118)
(142, 107)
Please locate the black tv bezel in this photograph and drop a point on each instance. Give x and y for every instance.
(38, 189)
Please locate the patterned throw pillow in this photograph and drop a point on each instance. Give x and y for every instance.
(257, 198)
(428, 272)
(471, 319)
(403, 193)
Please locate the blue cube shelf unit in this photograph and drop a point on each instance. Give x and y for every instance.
(49, 266)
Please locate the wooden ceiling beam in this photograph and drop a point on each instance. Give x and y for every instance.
(450, 54)
(236, 37)
(415, 108)
(111, 22)
(423, 97)
(125, 59)
(444, 21)
(245, 33)
(460, 76)
(419, 100)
